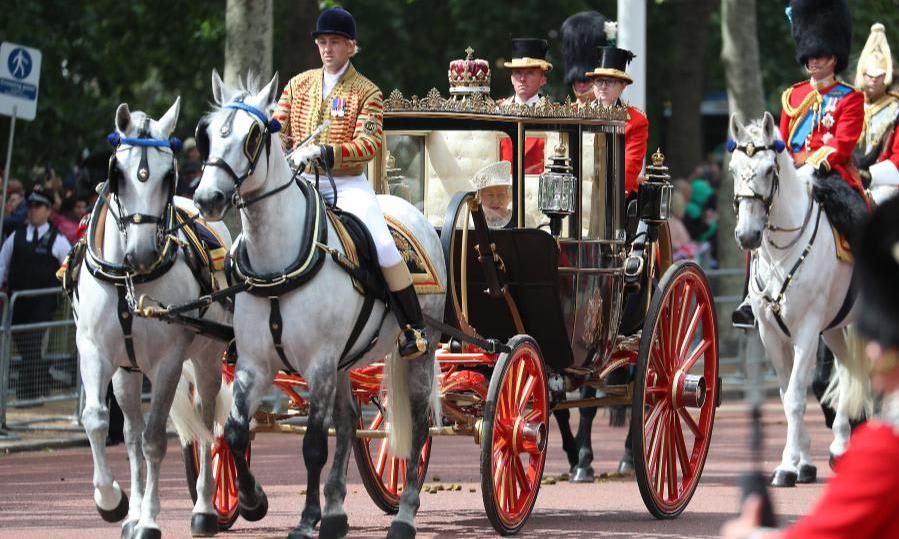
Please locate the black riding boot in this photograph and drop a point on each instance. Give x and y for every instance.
(412, 341)
(743, 316)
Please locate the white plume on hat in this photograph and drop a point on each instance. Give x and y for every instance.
(875, 58)
(493, 175)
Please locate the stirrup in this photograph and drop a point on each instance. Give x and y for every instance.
(743, 317)
(412, 342)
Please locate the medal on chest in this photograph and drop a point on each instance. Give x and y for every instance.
(338, 107)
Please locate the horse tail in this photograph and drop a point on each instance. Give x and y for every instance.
(184, 413)
(399, 405)
(849, 387)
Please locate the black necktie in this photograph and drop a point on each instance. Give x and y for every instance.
(34, 235)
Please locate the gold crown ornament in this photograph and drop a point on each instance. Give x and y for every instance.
(469, 76)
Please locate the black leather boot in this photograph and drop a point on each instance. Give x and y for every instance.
(412, 342)
(743, 316)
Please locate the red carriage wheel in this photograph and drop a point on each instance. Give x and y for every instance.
(383, 474)
(513, 435)
(224, 498)
(675, 390)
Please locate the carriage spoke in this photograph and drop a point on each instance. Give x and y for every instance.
(404, 468)
(671, 456)
(697, 353)
(688, 419)
(525, 395)
(381, 462)
(657, 457)
(655, 443)
(684, 308)
(681, 447)
(392, 479)
(687, 336)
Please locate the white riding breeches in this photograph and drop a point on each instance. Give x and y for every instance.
(356, 195)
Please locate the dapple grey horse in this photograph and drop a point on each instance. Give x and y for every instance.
(245, 164)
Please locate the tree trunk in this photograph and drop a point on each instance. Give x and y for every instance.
(746, 100)
(685, 131)
(248, 40)
(297, 48)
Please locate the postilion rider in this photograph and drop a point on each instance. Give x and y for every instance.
(822, 118)
(528, 69)
(354, 106)
(879, 145)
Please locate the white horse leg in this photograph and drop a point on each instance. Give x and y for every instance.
(165, 376)
(322, 378)
(208, 381)
(334, 520)
(420, 377)
(127, 387)
(795, 460)
(841, 427)
(251, 381)
(111, 501)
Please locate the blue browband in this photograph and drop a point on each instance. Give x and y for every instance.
(273, 125)
(115, 139)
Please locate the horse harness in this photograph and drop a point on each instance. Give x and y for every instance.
(777, 146)
(313, 246)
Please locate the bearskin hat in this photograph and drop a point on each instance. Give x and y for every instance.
(582, 35)
(822, 28)
(877, 275)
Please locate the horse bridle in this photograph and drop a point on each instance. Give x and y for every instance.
(750, 150)
(256, 138)
(144, 141)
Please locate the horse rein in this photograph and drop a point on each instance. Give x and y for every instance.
(252, 151)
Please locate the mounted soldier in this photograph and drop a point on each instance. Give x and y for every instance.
(822, 117)
(354, 106)
(878, 150)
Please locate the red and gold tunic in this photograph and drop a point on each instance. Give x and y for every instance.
(636, 139)
(355, 107)
(821, 127)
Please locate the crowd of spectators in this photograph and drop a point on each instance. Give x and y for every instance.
(694, 214)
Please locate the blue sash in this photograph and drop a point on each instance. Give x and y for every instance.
(805, 126)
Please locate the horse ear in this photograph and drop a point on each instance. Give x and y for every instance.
(736, 128)
(122, 118)
(170, 118)
(217, 87)
(271, 90)
(768, 124)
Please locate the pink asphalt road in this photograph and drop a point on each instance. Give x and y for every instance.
(49, 494)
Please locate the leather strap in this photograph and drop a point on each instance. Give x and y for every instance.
(276, 326)
(125, 321)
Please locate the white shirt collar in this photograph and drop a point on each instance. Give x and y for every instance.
(329, 81)
(41, 230)
(530, 102)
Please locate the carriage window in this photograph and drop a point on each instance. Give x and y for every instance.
(405, 168)
(597, 193)
(539, 146)
(439, 164)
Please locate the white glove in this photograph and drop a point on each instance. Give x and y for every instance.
(301, 157)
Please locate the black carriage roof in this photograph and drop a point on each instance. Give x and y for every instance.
(479, 108)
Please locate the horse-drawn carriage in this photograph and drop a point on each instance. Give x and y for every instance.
(578, 283)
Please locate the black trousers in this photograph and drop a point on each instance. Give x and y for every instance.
(34, 375)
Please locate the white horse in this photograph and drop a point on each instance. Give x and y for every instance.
(798, 289)
(131, 252)
(245, 164)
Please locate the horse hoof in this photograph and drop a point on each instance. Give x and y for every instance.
(298, 533)
(807, 474)
(254, 512)
(582, 474)
(148, 533)
(203, 525)
(128, 529)
(626, 465)
(783, 479)
(117, 514)
(333, 527)
(401, 530)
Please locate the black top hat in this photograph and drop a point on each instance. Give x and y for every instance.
(821, 28)
(37, 198)
(877, 272)
(613, 63)
(335, 20)
(529, 52)
(582, 34)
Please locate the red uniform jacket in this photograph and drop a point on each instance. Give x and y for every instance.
(886, 170)
(533, 153)
(822, 127)
(862, 498)
(636, 138)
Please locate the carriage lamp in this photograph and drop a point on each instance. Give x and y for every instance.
(557, 194)
(654, 198)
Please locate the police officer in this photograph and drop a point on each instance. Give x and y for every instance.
(29, 259)
(354, 106)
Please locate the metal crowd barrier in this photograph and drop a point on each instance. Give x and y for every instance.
(39, 380)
